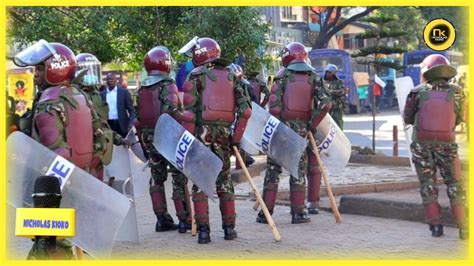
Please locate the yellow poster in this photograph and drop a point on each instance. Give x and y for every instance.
(21, 88)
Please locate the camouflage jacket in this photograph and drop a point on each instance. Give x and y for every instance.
(104, 136)
(335, 88)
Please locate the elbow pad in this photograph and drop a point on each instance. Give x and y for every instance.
(241, 125)
(188, 121)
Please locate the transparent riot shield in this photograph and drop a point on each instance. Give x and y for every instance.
(187, 154)
(333, 145)
(403, 86)
(135, 145)
(131, 177)
(278, 141)
(100, 210)
(124, 165)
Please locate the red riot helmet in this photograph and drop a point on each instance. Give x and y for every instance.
(292, 53)
(158, 61)
(436, 66)
(59, 61)
(89, 63)
(202, 50)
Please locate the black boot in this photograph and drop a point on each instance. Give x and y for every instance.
(436, 230)
(299, 218)
(313, 208)
(204, 236)
(229, 232)
(261, 218)
(183, 227)
(164, 223)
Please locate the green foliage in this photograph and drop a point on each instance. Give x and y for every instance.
(379, 62)
(410, 21)
(458, 16)
(381, 31)
(379, 49)
(122, 35)
(385, 33)
(379, 18)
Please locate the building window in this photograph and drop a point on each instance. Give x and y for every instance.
(347, 41)
(360, 43)
(287, 12)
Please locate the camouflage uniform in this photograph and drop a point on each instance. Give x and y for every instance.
(428, 156)
(159, 165)
(104, 136)
(335, 88)
(218, 137)
(297, 183)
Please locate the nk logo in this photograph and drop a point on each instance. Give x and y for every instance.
(62, 169)
(268, 132)
(182, 149)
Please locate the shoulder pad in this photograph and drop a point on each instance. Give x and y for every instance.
(300, 67)
(198, 70)
(222, 61)
(152, 80)
(51, 93)
(420, 87)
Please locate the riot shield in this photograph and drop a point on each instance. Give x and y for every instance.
(100, 210)
(275, 139)
(135, 145)
(333, 145)
(124, 165)
(131, 178)
(187, 154)
(403, 86)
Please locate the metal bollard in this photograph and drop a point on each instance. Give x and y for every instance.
(395, 141)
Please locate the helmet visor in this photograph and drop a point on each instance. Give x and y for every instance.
(187, 48)
(93, 75)
(35, 54)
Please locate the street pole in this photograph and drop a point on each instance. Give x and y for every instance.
(373, 108)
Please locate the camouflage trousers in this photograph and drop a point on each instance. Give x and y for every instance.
(337, 114)
(159, 174)
(297, 183)
(272, 174)
(427, 158)
(217, 139)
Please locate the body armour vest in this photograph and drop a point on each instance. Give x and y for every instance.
(218, 99)
(78, 127)
(436, 119)
(149, 106)
(297, 98)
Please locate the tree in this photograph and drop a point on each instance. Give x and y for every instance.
(331, 22)
(458, 16)
(123, 35)
(370, 55)
(240, 31)
(411, 21)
